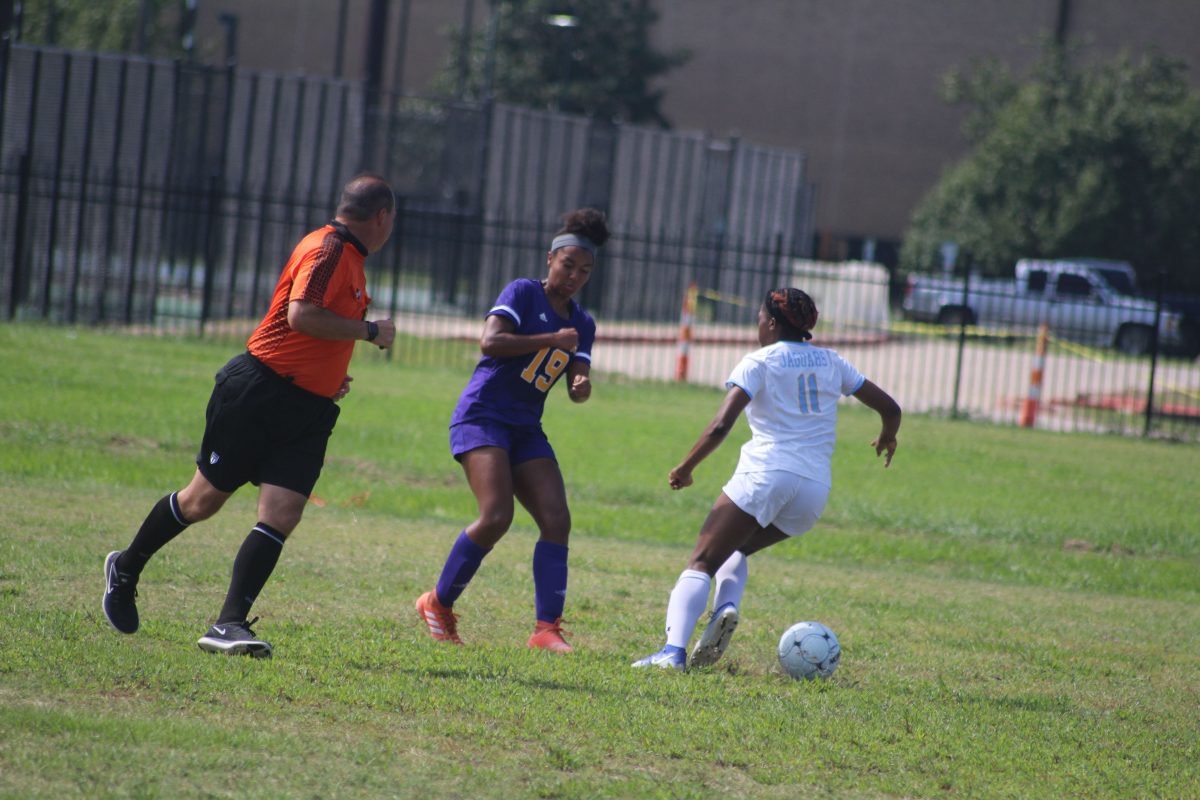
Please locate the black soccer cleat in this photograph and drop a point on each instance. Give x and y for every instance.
(120, 589)
(234, 639)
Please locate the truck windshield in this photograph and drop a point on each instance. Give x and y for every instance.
(1118, 280)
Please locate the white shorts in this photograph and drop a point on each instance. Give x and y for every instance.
(790, 502)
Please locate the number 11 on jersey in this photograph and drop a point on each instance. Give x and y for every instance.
(810, 401)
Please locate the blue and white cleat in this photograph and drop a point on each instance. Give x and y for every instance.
(668, 658)
(716, 636)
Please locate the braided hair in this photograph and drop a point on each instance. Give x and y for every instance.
(795, 312)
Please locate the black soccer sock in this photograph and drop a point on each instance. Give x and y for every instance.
(254, 563)
(164, 522)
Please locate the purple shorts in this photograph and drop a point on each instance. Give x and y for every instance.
(522, 442)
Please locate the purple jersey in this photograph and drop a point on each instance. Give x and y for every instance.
(513, 390)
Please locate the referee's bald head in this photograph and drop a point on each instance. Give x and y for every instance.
(364, 196)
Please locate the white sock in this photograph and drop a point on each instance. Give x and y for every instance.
(730, 581)
(688, 599)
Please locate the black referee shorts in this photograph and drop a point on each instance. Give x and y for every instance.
(260, 428)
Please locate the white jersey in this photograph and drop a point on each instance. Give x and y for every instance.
(794, 389)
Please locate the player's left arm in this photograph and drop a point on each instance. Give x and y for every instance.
(888, 410)
(579, 382)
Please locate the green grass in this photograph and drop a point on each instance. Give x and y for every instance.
(985, 653)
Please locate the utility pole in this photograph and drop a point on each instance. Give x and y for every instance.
(139, 37)
(229, 21)
(1062, 22)
(464, 47)
(6, 20)
(340, 47)
(6, 37)
(187, 29)
(373, 76)
(401, 47)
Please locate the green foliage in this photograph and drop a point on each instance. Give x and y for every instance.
(981, 656)
(601, 64)
(1099, 161)
(417, 136)
(103, 25)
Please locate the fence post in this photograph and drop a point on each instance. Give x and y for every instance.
(100, 306)
(211, 213)
(685, 331)
(18, 280)
(1029, 406)
(781, 279)
(6, 20)
(56, 190)
(1158, 302)
(140, 189)
(962, 336)
(75, 274)
(397, 244)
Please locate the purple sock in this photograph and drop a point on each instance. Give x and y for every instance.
(549, 580)
(465, 557)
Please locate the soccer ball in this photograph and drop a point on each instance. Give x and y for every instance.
(809, 650)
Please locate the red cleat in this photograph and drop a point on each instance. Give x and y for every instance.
(441, 621)
(549, 636)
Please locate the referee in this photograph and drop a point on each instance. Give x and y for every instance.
(270, 414)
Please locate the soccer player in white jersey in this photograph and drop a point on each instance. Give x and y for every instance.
(789, 390)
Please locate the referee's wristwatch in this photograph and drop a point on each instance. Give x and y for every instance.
(372, 330)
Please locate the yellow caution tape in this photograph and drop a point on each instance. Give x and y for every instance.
(976, 332)
(933, 329)
(733, 300)
(1082, 350)
(1187, 392)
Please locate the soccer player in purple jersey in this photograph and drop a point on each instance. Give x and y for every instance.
(533, 333)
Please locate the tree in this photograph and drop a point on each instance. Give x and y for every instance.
(580, 56)
(102, 25)
(1102, 161)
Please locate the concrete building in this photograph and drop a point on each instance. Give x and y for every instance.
(853, 83)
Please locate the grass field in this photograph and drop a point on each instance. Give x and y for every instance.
(1019, 611)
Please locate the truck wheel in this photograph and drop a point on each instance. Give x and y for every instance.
(1134, 340)
(1190, 333)
(955, 316)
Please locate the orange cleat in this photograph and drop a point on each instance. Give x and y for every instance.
(441, 621)
(549, 636)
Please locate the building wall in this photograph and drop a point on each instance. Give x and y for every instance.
(853, 83)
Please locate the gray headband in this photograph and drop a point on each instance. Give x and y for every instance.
(569, 239)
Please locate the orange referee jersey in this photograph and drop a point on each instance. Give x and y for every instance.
(326, 269)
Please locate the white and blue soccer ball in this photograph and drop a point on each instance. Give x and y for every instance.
(809, 650)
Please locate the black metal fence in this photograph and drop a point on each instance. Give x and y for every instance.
(124, 180)
(158, 194)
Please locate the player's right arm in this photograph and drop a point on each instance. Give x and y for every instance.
(889, 415)
(732, 406)
(501, 340)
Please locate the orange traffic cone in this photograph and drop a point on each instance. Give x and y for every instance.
(685, 332)
(1029, 406)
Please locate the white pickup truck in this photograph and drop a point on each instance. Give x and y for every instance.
(1086, 300)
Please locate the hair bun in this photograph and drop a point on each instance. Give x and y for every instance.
(588, 222)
